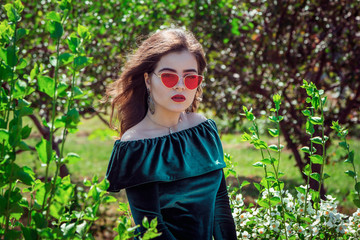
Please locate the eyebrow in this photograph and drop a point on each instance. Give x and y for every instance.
(173, 70)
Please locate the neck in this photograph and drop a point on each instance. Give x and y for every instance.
(169, 121)
(165, 120)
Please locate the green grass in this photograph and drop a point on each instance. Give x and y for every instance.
(94, 142)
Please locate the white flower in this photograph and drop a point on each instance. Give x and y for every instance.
(245, 235)
(314, 230)
(274, 226)
(329, 224)
(301, 229)
(261, 230)
(340, 228)
(330, 198)
(301, 197)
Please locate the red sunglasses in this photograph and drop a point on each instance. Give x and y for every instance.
(191, 81)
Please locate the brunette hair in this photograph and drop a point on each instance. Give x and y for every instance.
(129, 94)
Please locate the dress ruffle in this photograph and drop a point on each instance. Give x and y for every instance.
(187, 153)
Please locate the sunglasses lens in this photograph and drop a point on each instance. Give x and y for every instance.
(193, 81)
(169, 79)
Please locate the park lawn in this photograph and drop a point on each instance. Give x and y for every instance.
(94, 142)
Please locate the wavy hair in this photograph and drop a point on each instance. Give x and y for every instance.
(128, 93)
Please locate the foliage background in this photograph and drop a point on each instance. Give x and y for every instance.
(254, 49)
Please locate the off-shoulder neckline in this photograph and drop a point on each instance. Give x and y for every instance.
(165, 136)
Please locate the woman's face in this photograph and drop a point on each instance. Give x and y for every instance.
(177, 98)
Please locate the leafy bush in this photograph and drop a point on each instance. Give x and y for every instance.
(54, 208)
(277, 213)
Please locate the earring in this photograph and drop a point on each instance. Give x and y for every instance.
(150, 102)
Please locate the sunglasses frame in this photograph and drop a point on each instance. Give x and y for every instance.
(179, 79)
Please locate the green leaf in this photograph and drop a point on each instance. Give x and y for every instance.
(275, 200)
(266, 161)
(145, 222)
(258, 187)
(306, 113)
(309, 128)
(263, 203)
(4, 135)
(9, 55)
(78, 93)
(25, 175)
(65, 5)
(245, 137)
(315, 196)
(315, 102)
(274, 148)
(273, 132)
(64, 59)
(315, 176)
(61, 89)
(235, 27)
(53, 16)
(12, 13)
(244, 183)
(20, 33)
(29, 233)
(258, 164)
(316, 140)
(316, 120)
(350, 173)
(72, 158)
(290, 216)
(73, 43)
(344, 145)
(109, 199)
(316, 159)
(72, 118)
(350, 158)
(22, 64)
(277, 101)
(83, 32)
(301, 190)
(55, 28)
(323, 99)
(326, 176)
(25, 111)
(95, 179)
(259, 144)
(305, 150)
(81, 62)
(357, 187)
(46, 85)
(357, 203)
(271, 179)
(44, 150)
(18, 6)
(307, 170)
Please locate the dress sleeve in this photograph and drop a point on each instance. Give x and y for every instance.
(144, 201)
(224, 226)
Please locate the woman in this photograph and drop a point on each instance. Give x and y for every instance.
(169, 158)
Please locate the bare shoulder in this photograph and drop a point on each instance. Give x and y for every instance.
(134, 133)
(195, 118)
(129, 135)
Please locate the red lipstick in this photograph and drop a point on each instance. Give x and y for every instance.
(178, 98)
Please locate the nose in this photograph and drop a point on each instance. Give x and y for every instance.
(180, 85)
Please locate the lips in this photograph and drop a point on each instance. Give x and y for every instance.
(178, 98)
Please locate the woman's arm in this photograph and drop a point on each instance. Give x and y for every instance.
(224, 226)
(144, 201)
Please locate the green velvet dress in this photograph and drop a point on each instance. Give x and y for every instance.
(177, 178)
